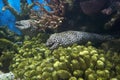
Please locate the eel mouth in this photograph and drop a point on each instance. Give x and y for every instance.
(49, 44)
(19, 24)
(23, 24)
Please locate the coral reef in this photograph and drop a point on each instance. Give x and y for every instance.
(35, 61)
(70, 37)
(71, 14)
(14, 10)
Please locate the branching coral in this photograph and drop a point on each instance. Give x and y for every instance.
(49, 19)
(35, 61)
(25, 9)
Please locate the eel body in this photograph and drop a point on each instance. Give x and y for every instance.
(70, 37)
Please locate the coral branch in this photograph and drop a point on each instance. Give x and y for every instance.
(25, 9)
(7, 6)
(49, 19)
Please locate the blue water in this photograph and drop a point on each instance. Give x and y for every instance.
(8, 19)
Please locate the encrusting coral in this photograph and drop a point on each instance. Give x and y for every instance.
(35, 61)
(7, 76)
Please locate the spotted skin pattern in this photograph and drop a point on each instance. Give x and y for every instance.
(70, 37)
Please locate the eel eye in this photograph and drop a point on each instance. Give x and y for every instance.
(49, 43)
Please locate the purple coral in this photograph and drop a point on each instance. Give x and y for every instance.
(92, 6)
(95, 6)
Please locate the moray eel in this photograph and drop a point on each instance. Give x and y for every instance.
(26, 27)
(70, 37)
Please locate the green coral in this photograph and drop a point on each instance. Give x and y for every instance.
(8, 40)
(7, 51)
(5, 59)
(36, 62)
(4, 43)
(5, 33)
